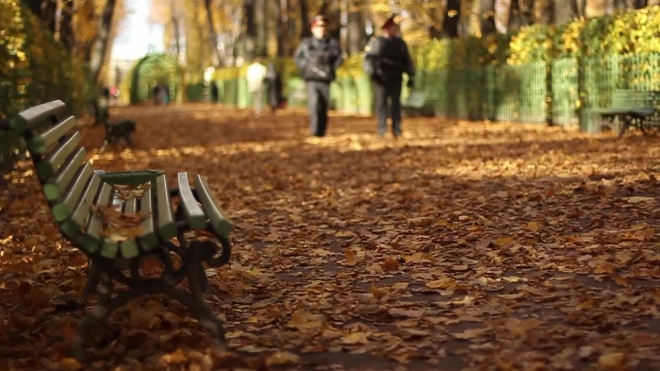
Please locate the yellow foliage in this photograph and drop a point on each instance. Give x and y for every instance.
(35, 68)
(632, 32)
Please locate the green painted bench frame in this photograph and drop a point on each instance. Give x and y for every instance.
(418, 104)
(72, 188)
(628, 108)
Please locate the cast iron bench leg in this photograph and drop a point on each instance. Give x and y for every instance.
(193, 300)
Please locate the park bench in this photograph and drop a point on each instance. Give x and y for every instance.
(417, 104)
(120, 220)
(628, 108)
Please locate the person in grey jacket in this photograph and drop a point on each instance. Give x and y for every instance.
(386, 59)
(318, 58)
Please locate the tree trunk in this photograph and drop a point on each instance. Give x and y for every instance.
(177, 36)
(565, 11)
(525, 11)
(100, 47)
(487, 18)
(292, 30)
(452, 19)
(67, 34)
(305, 31)
(34, 6)
(333, 11)
(544, 11)
(513, 23)
(250, 29)
(44, 9)
(261, 19)
(280, 27)
(620, 5)
(581, 6)
(516, 16)
(213, 36)
(357, 37)
(434, 11)
(639, 4)
(57, 19)
(465, 17)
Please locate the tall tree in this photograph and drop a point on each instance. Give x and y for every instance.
(282, 26)
(487, 18)
(175, 21)
(639, 4)
(213, 36)
(99, 50)
(67, 34)
(261, 20)
(452, 19)
(565, 11)
(250, 33)
(544, 11)
(46, 10)
(357, 36)
(304, 19)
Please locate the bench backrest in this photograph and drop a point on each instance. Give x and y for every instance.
(58, 157)
(416, 99)
(627, 98)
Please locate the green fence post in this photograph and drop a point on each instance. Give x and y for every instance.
(364, 94)
(349, 97)
(243, 97)
(335, 96)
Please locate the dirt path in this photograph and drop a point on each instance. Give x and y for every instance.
(465, 246)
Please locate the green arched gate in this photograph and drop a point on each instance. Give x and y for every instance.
(154, 69)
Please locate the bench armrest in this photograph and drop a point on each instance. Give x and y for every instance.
(132, 178)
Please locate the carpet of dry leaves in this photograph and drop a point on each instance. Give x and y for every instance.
(464, 246)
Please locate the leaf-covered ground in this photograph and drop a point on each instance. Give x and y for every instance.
(473, 246)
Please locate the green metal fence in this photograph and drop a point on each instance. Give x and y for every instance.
(537, 92)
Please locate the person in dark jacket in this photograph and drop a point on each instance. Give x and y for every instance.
(215, 93)
(318, 58)
(386, 59)
(274, 87)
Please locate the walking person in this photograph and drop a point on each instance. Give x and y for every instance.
(215, 93)
(318, 58)
(256, 74)
(274, 88)
(386, 59)
(165, 92)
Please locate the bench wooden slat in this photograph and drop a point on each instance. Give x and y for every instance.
(148, 238)
(49, 166)
(110, 247)
(78, 219)
(32, 117)
(84, 207)
(57, 186)
(40, 143)
(166, 225)
(65, 209)
(415, 100)
(92, 240)
(219, 221)
(191, 209)
(129, 249)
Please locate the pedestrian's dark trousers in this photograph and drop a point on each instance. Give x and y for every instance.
(389, 91)
(318, 94)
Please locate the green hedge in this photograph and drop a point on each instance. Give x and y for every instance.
(34, 69)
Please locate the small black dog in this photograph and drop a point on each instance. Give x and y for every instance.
(120, 130)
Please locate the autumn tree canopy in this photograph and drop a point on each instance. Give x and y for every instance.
(224, 33)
